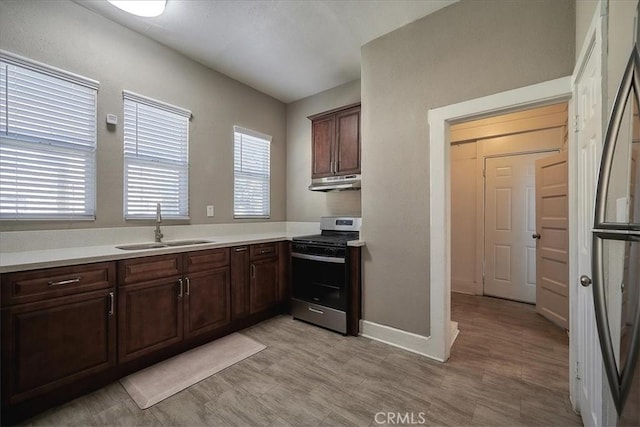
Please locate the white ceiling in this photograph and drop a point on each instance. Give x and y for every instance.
(287, 49)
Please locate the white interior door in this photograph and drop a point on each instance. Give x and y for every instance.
(587, 101)
(552, 227)
(510, 251)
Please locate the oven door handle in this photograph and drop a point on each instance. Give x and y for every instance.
(318, 258)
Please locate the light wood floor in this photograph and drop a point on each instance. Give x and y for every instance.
(507, 367)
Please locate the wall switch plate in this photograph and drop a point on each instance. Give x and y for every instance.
(210, 210)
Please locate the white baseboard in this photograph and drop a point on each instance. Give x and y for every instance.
(454, 332)
(409, 341)
(464, 286)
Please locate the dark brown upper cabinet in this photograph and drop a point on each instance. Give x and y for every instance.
(335, 142)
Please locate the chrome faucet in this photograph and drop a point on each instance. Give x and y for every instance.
(158, 233)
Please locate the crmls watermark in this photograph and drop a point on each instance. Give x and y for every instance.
(404, 418)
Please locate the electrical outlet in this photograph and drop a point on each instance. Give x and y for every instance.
(210, 210)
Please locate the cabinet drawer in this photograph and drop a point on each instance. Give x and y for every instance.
(37, 285)
(264, 250)
(207, 260)
(149, 268)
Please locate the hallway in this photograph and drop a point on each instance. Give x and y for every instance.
(513, 355)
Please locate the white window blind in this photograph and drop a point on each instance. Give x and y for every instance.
(156, 158)
(47, 142)
(252, 172)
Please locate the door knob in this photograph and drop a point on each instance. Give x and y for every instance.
(585, 280)
(536, 236)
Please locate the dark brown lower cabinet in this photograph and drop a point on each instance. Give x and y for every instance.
(51, 343)
(68, 330)
(150, 317)
(239, 282)
(160, 313)
(264, 284)
(207, 301)
(255, 276)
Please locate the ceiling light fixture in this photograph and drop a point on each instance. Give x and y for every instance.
(146, 8)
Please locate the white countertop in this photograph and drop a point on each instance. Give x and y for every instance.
(35, 259)
(30, 260)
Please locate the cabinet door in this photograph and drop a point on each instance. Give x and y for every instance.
(322, 132)
(347, 147)
(207, 301)
(149, 317)
(264, 284)
(239, 282)
(55, 342)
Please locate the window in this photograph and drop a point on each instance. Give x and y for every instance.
(156, 158)
(47, 142)
(251, 173)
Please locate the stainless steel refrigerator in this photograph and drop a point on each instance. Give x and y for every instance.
(616, 248)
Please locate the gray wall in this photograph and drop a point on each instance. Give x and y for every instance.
(584, 13)
(468, 50)
(66, 35)
(302, 204)
(620, 39)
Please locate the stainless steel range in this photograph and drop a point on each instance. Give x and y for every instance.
(320, 273)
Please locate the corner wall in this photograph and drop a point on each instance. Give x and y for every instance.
(465, 51)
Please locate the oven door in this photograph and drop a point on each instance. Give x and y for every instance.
(320, 280)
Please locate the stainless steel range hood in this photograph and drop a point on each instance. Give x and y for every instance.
(336, 183)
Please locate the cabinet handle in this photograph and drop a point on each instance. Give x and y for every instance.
(242, 249)
(315, 310)
(179, 288)
(253, 271)
(65, 282)
(188, 286)
(111, 303)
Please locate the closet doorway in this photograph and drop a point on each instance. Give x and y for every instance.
(497, 238)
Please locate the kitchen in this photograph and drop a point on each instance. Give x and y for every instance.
(395, 98)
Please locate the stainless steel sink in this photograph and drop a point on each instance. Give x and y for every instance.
(139, 246)
(187, 242)
(157, 245)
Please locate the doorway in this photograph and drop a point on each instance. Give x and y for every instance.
(493, 202)
(583, 363)
(443, 330)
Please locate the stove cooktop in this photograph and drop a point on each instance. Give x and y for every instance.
(329, 238)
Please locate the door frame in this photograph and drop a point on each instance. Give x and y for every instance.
(439, 120)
